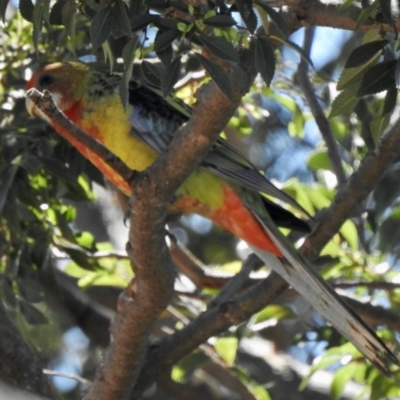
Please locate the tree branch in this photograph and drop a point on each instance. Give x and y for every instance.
(150, 292)
(316, 110)
(302, 13)
(217, 320)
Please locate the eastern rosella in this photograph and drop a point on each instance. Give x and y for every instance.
(226, 188)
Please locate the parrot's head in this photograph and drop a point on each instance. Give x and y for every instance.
(65, 81)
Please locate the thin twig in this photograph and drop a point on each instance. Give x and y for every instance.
(316, 109)
(237, 282)
(218, 319)
(67, 376)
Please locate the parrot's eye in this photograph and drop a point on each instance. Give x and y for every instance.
(45, 81)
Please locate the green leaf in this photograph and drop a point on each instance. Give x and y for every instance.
(55, 13)
(378, 125)
(92, 6)
(320, 160)
(166, 24)
(345, 5)
(29, 291)
(265, 59)
(3, 9)
(378, 78)
(46, 10)
(31, 314)
(57, 168)
(366, 13)
(180, 5)
(220, 47)
(295, 47)
(364, 53)
(7, 180)
(26, 8)
(227, 348)
(37, 22)
(8, 295)
(165, 55)
(218, 75)
(220, 21)
(151, 73)
(164, 39)
(74, 270)
(385, 6)
(345, 102)
(245, 8)
(170, 76)
(139, 22)
(341, 378)
(100, 28)
(86, 240)
(68, 14)
(276, 17)
(128, 56)
(272, 312)
(390, 101)
(121, 17)
(349, 232)
(31, 164)
(158, 4)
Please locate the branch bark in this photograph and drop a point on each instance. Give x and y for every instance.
(149, 293)
(303, 13)
(217, 320)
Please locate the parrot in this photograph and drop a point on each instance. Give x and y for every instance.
(225, 188)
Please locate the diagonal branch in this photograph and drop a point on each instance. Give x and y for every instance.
(316, 110)
(149, 293)
(216, 320)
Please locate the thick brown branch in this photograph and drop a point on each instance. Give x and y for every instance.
(216, 320)
(148, 295)
(302, 13)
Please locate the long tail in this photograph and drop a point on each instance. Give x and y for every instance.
(300, 274)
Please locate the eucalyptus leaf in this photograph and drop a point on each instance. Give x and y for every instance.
(220, 47)
(100, 28)
(220, 21)
(121, 17)
(345, 102)
(31, 314)
(55, 13)
(3, 9)
(276, 17)
(6, 182)
(218, 75)
(170, 76)
(164, 39)
(366, 13)
(378, 78)
(364, 53)
(390, 101)
(68, 15)
(128, 56)
(265, 59)
(151, 73)
(26, 8)
(139, 22)
(245, 8)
